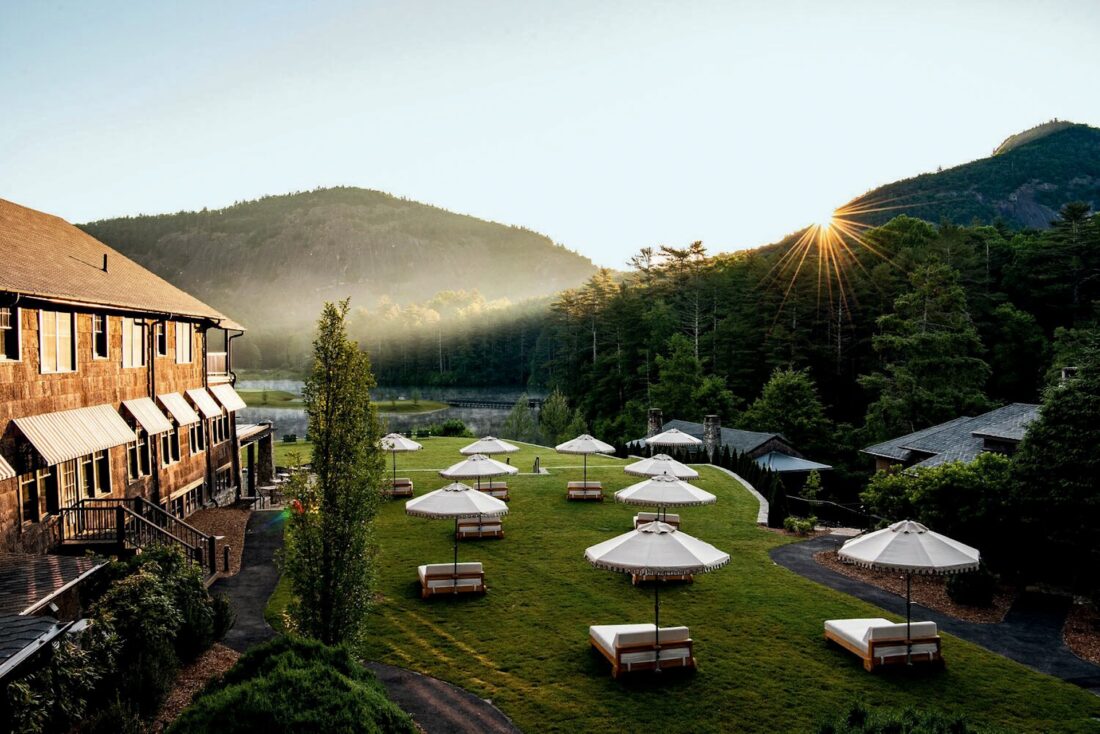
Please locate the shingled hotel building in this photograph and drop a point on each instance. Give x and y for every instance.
(117, 410)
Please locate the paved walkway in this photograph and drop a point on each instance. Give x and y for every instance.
(437, 706)
(1030, 634)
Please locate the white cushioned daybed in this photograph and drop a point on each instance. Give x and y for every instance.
(633, 647)
(400, 487)
(592, 491)
(880, 642)
(495, 489)
(441, 578)
(643, 517)
(485, 527)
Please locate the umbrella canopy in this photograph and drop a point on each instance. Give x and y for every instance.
(665, 490)
(661, 464)
(910, 547)
(488, 446)
(476, 467)
(584, 444)
(455, 501)
(656, 549)
(673, 438)
(394, 442)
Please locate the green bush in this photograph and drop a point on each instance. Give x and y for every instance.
(860, 720)
(974, 589)
(799, 525)
(294, 685)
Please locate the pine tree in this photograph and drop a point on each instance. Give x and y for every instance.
(520, 425)
(330, 548)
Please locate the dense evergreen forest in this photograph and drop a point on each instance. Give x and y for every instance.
(909, 326)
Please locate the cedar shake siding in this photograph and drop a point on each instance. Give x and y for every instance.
(52, 372)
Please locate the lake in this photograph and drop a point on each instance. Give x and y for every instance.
(481, 421)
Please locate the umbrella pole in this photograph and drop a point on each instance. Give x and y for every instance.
(908, 618)
(656, 624)
(586, 471)
(455, 572)
(394, 485)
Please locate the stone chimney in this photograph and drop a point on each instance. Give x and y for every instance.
(656, 420)
(712, 435)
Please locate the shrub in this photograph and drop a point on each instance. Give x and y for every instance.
(294, 685)
(860, 720)
(973, 589)
(800, 526)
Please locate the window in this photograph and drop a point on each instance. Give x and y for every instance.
(56, 340)
(95, 473)
(99, 336)
(160, 335)
(9, 334)
(133, 343)
(196, 437)
(137, 455)
(28, 497)
(184, 343)
(219, 429)
(67, 483)
(170, 446)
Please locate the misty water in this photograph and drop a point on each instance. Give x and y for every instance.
(481, 421)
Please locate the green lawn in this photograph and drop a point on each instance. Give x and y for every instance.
(763, 665)
(270, 399)
(408, 406)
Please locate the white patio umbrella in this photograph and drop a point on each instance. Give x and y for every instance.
(584, 445)
(664, 491)
(488, 446)
(394, 442)
(661, 464)
(656, 549)
(476, 467)
(910, 547)
(673, 438)
(455, 501)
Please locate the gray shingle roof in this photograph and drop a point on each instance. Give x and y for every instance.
(961, 439)
(21, 636)
(27, 580)
(735, 438)
(47, 257)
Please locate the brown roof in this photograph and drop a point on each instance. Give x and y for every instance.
(46, 257)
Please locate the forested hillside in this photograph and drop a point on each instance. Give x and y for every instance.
(272, 262)
(933, 322)
(1024, 183)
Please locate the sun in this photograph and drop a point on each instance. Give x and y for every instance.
(825, 221)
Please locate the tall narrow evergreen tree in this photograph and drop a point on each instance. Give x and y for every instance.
(330, 546)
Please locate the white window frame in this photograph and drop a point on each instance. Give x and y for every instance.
(185, 334)
(139, 450)
(17, 328)
(106, 337)
(130, 327)
(193, 430)
(43, 317)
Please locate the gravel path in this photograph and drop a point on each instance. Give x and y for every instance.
(1031, 633)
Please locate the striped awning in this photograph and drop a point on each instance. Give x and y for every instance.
(6, 472)
(148, 415)
(178, 408)
(205, 403)
(228, 397)
(69, 434)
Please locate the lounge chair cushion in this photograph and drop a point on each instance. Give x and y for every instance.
(858, 632)
(447, 569)
(610, 636)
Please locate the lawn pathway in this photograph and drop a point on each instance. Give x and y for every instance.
(1030, 634)
(438, 707)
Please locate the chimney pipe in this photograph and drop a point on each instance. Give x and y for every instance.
(656, 420)
(105, 262)
(712, 435)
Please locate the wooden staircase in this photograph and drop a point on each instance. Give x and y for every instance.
(125, 525)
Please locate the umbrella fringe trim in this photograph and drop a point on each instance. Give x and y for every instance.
(659, 571)
(923, 571)
(434, 516)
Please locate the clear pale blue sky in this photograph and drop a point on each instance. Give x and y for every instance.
(607, 125)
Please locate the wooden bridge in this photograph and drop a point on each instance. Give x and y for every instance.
(535, 403)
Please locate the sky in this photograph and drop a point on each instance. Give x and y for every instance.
(608, 126)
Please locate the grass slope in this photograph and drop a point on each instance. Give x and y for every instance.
(763, 665)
